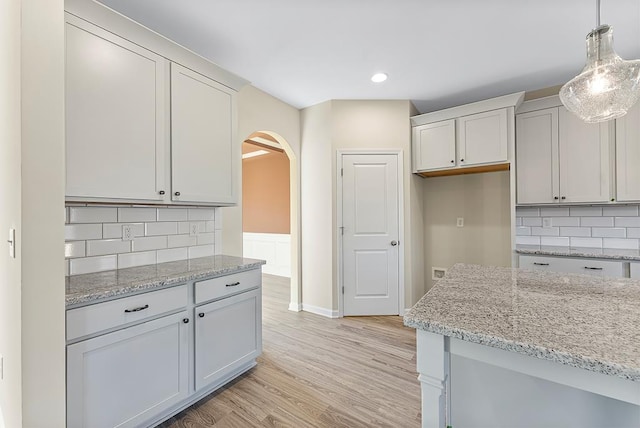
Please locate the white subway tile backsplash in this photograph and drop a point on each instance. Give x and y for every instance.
(206, 238)
(218, 244)
(136, 215)
(149, 243)
(93, 215)
(532, 221)
(518, 221)
(172, 255)
(210, 226)
(627, 221)
(114, 230)
(554, 212)
(92, 264)
(202, 214)
(161, 228)
(585, 211)
(528, 240)
(78, 232)
(107, 246)
(172, 214)
(523, 231)
(520, 212)
(565, 221)
(66, 215)
(596, 221)
(183, 228)
(555, 241)
(74, 249)
(624, 244)
(201, 251)
(609, 232)
(136, 259)
(202, 226)
(218, 218)
(181, 241)
(575, 231)
(586, 242)
(621, 211)
(66, 267)
(545, 231)
(633, 232)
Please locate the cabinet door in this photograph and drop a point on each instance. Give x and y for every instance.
(228, 336)
(115, 116)
(537, 172)
(628, 156)
(434, 145)
(126, 377)
(204, 157)
(483, 138)
(584, 159)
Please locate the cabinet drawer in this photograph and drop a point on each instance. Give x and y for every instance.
(219, 287)
(574, 265)
(103, 316)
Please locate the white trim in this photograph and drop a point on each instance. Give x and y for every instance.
(339, 165)
(512, 100)
(295, 307)
(320, 311)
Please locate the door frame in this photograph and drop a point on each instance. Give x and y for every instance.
(339, 253)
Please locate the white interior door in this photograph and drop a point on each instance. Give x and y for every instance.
(370, 240)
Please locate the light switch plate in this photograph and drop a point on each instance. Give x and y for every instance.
(460, 222)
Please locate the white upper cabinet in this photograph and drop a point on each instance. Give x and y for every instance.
(538, 178)
(628, 156)
(561, 159)
(470, 138)
(483, 138)
(202, 139)
(115, 116)
(434, 145)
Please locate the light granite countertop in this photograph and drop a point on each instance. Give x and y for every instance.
(82, 290)
(582, 321)
(596, 253)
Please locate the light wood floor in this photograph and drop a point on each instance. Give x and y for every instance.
(318, 372)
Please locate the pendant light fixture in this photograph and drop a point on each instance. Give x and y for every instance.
(608, 86)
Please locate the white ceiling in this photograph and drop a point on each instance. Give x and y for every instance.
(438, 53)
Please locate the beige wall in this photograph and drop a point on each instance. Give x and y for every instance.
(317, 207)
(259, 111)
(266, 194)
(42, 246)
(10, 307)
(483, 201)
(347, 125)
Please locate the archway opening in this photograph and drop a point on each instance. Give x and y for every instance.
(270, 207)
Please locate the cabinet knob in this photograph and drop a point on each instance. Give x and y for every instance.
(161, 192)
(185, 320)
(461, 160)
(555, 197)
(201, 314)
(563, 198)
(452, 161)
(613, 199)
(177, 193)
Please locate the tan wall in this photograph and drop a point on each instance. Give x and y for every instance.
(265, 194)
(42, 246)
(10, 307)
(483, 201)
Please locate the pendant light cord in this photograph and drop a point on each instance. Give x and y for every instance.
(597, 13)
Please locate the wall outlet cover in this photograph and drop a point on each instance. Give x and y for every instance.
(193, 229)
(546, 222)
(460, 222)
(127, 233)
(438, 273)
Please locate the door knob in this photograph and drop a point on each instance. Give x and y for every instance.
(394, 243)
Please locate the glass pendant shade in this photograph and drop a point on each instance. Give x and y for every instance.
(608, 86)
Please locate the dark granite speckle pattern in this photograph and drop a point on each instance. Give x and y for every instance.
(596, 253)
(582, 321)
(92, 288)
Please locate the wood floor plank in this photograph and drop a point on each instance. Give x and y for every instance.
(317, 372)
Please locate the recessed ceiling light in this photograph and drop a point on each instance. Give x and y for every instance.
(254, 154)
(379, 77)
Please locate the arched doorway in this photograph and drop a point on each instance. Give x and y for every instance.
(272, 146)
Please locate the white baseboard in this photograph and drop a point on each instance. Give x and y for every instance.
(320, 311)
(275, 248)
(295, 307)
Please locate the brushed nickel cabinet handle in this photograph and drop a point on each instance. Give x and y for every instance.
(233, 284)
(138, 309)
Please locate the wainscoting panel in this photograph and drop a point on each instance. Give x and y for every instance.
(275, 248)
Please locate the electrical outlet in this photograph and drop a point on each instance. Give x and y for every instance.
(193, 229)
(546, 222)
(460, 222)
(438, 273)
(127, 233)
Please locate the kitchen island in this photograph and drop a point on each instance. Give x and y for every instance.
(510, 347)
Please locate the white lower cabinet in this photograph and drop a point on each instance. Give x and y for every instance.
(228, 336)
(124, 378)
(586, 266)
